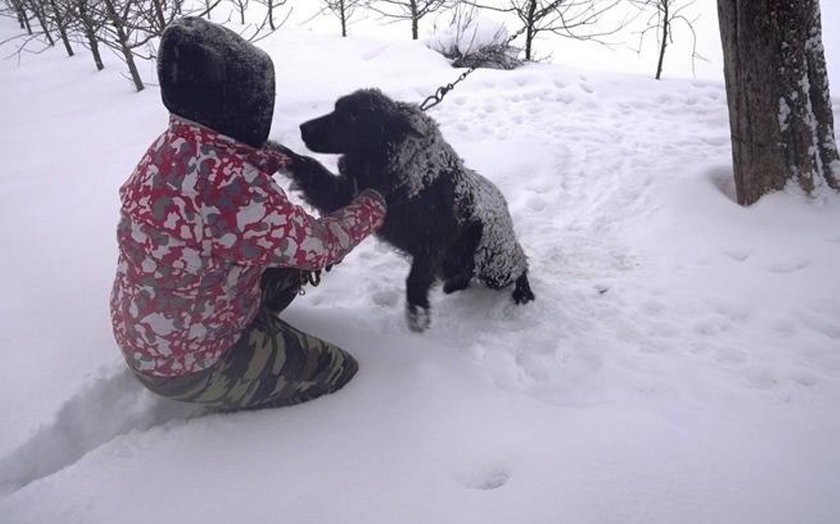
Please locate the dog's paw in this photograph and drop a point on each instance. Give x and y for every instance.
(419, 318)
(456, 284)
(522, 293)
(523, 297)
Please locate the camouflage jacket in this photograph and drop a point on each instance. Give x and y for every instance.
(201, 218)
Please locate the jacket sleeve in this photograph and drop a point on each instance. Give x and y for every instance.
(255, 224)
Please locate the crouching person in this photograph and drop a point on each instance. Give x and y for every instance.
(210, 249)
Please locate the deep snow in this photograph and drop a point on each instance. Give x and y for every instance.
(681, 363)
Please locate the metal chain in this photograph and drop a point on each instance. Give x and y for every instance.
(310, 278)
(441, 92)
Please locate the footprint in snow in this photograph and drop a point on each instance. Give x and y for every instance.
(823, 321)
(804, 378)
(484, 478)
(386, 298)
(537, 203)
(737, 254)
(565, 98)
(730, 356)
(789, 266)
(763, 378)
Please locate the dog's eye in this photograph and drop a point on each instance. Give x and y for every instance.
(349, 118)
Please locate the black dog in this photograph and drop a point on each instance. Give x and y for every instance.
(453, 222)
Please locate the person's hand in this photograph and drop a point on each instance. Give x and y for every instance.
(271, 145)
(280, 158)
(298, 164)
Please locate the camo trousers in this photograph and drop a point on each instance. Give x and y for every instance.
(273, 364)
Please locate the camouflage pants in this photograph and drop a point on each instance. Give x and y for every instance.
(271, 365)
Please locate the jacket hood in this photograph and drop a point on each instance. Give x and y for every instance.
(213, 76)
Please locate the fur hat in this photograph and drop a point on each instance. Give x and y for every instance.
(213, 76)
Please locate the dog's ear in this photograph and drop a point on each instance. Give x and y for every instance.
(401, 126)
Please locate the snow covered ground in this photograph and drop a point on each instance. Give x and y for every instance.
(681, 363)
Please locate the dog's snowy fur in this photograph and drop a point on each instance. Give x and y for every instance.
(453, 222)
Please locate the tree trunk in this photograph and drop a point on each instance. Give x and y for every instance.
(777, 90)
(39, 14)
(22, 15)
(415, 21)
(666, 24)
(62, 29)
(122, 37)
(161, 20)
(343, 19)
(26, 22)
(20, 12)
(530, 29)
(94, 49)
(89, 29)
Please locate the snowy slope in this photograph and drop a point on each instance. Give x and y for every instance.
(681, 363)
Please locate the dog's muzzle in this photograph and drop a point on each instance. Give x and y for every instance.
(317, 135)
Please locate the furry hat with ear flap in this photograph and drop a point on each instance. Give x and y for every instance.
(213, 76)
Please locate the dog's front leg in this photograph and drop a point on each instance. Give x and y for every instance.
(421, 277)
(321, 188)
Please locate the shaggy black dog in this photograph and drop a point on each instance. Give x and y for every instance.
(453, 222)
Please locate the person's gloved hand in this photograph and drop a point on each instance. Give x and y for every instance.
(298, 165)
(277, 147)
(271, 145)
(306, 172)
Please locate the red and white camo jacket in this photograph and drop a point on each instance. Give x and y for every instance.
(201, 218)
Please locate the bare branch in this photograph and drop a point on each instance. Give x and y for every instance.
(410, 10)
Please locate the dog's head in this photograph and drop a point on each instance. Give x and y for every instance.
(363, 123)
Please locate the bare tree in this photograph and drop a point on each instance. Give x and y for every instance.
(119, 25)
(274, 5)
(58, 13)
(241, 7)
(343, 10)
(38, 10)
(88, 21)
(208, 8)
(24, 42)
(129, 27)
(665, 14)
(568, 18)
(19, 9)
(777, 91)
(132, 27)
(413, 10)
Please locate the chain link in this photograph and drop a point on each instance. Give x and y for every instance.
(441, 92)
